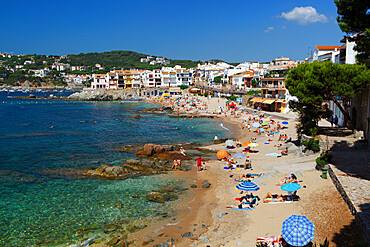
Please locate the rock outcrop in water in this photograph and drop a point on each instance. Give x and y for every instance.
(104, 95)
(150, 149)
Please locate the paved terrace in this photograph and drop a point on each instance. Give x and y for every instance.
(350, 171)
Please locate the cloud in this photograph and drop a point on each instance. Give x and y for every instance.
(304, 15)
(283, 27)
(269, 29)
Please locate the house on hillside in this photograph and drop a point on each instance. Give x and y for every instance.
(99, 82)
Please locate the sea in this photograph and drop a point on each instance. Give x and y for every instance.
(37, 136)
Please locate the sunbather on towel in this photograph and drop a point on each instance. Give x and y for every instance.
(273, 198)
(291, 179)
(246, 176)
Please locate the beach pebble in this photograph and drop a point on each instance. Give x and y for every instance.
(161, 244)
(201, 237)
(170, 240)
(205, 181)
(186, 234)
(222, 214)
(204, 226)
(206, 240)
(239, 243)
(193, 186)
(206, 185)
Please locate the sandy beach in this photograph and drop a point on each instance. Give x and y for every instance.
(204, 220)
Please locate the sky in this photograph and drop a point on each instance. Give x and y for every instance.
(233, 30)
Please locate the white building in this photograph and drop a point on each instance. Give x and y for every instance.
(60, 66)
(325, 52)
(78, 68)
(100, 81)
(40, 72)
(183, 77)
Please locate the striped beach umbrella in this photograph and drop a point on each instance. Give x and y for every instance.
(247, 186)
(297, 230)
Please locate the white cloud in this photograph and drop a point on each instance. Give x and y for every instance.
(283, 27)
(269, 29)
(304, 15)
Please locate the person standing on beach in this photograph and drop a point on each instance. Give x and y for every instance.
(199, 163)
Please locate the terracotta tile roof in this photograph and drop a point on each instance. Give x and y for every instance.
(327, 47)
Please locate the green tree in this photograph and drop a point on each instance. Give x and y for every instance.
(254, 83)
(217, 79)
(314, 83)
(353, 18)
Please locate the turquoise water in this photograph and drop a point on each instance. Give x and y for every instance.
(40, 210)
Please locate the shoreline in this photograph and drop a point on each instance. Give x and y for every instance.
(320, 201)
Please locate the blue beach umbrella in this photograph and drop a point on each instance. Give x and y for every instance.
(247, 186)
(284, 122)
(297, 230)
(255, 125)
(239, 155)
(291, 187)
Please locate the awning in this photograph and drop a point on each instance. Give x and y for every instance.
(257, 100)
(268, 101)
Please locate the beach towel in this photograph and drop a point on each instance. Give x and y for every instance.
(227, 168)
(267, 143)
(273, 154)
(267, 202)
(242, 208)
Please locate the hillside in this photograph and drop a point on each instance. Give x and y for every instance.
(121, 59)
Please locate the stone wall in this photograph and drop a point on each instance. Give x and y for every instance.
(350, 204)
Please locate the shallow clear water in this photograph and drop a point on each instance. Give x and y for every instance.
(36, 210)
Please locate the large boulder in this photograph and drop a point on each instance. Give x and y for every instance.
(149, 149)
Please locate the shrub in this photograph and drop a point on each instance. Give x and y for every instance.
(312, 144)
(183, 86)
(324, 159)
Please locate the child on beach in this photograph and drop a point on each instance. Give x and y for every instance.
(182, 151)
(199, 163)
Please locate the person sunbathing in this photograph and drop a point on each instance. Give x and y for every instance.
(284, 152)
(273, 198)
(247, 164)
(231, 163)
(247, 204)
(248, 175)
(291, 179)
